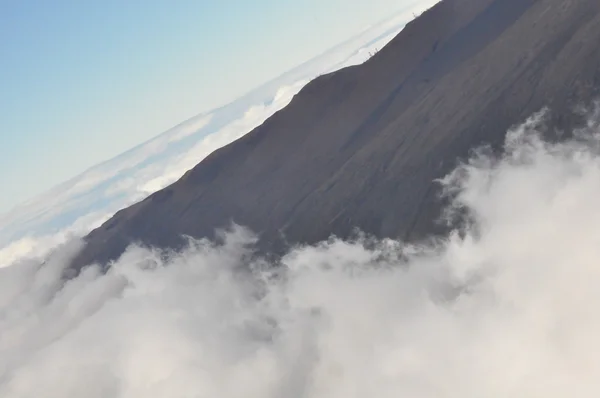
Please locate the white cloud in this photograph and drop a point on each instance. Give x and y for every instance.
(39, 246)
(510, 307)
(190, 128)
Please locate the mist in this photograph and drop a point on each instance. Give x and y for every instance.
(506, 305)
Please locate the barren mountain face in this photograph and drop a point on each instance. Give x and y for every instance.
(361, 148)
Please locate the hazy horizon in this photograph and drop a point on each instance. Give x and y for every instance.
(101, 93)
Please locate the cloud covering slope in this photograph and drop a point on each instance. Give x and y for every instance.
(506, 306)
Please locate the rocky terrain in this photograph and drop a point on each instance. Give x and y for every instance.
(361, 147)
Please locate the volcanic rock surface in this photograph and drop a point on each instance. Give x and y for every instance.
(361, 147)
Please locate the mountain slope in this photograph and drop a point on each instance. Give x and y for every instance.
(362, 146)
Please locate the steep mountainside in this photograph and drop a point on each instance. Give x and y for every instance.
(362, 146)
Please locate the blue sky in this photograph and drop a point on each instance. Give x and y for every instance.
(82, 81)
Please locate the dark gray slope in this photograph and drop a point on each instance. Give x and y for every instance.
(361, 147)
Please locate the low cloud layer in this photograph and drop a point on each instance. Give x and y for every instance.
(508, 306)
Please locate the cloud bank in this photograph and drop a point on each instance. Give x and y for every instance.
(507, 305)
